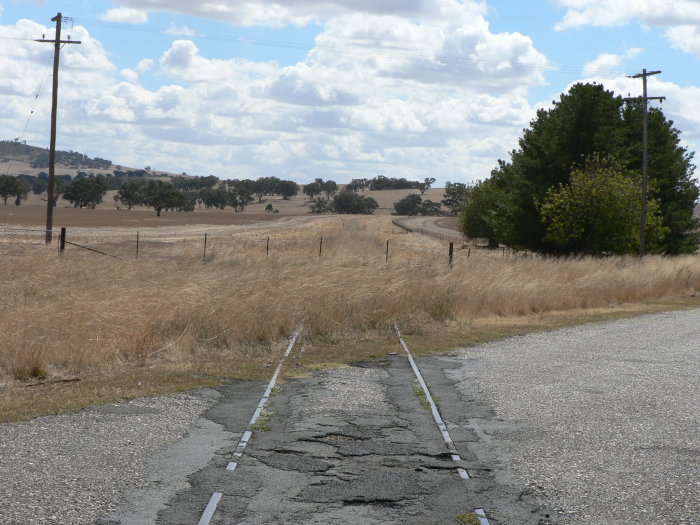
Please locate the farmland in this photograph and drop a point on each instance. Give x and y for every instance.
(82, 328)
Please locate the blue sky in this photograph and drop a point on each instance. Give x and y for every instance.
(332, 88)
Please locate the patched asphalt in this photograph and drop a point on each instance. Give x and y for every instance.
(351, 445)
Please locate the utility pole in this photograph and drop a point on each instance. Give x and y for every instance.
(54, 106)
(644, 99)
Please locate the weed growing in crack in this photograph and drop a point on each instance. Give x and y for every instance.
(420, 394)
(468, 518)
(263, 422)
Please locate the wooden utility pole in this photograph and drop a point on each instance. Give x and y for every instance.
(54, 106)
(644, 99)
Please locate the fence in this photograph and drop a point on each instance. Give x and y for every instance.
(224, 245)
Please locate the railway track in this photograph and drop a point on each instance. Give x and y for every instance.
(213, 513)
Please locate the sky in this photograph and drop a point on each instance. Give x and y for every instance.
(337, 89)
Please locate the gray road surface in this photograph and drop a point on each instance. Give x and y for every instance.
(590, 425)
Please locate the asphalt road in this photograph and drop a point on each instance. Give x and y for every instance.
(593, 424)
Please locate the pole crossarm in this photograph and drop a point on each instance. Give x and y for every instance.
(57, 41)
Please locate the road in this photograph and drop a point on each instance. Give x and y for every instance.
(592, 424)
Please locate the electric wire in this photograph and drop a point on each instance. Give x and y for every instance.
(475, 64)
(35, 103)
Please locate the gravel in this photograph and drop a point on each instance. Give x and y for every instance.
(74, 468)
(606, 416)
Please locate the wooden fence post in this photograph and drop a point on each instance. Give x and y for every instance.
(205, 247)
(320, 247)
(452, 249)
(137, 244)
(62, 241)
(267, 248)
(387, 251)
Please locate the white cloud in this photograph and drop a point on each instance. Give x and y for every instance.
(125, 15)
(145, 65)
(610, 13)
(607, 65)
(129, 74)
(302, 12)
(686, 38)
(180, 31)
(379, 93)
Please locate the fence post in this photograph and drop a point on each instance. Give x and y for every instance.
(137, 245)
(267, 248)
(387, 251)
(62, 240)
(205, 247)
(452, 249)
(320, 247)
(469, 252)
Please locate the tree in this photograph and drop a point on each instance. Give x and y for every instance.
(455, 195)
(485, 211)
(350, 202)
(312, 189)
(265, 186)
(330, 188)
(426, 184)
(413, 204)
(321, 205)
(86, 191)
(130, 194)
(22, 192)
(586, 121)
(409, 205)
(428, 207)
(240, 194)
(670, 173)
(357, 185)
(9, 186)
(160, 195)
(213, 198)
(287, 189)
(599, 210)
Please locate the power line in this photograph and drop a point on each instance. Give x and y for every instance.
(37, 97)
(242, 40)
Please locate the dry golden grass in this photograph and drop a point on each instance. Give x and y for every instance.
(170, 320)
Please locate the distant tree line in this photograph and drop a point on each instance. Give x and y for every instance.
(381, 182)
(71, 159)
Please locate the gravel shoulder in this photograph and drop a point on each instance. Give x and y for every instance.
(601, 421)
(74, 468)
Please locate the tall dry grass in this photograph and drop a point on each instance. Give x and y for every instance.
(81, 313)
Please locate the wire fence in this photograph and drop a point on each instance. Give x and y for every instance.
(222, 245)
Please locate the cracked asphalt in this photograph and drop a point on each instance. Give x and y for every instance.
(590, 424)
(351, 445)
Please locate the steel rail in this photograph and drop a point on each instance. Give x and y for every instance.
(454, 455)
(208, 513)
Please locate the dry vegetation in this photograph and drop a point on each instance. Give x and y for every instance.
(170, 320)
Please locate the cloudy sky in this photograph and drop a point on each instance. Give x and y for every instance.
(331, 88)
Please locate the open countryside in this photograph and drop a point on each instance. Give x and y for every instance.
(374, 278)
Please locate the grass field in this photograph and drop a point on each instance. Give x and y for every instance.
(82, 328)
